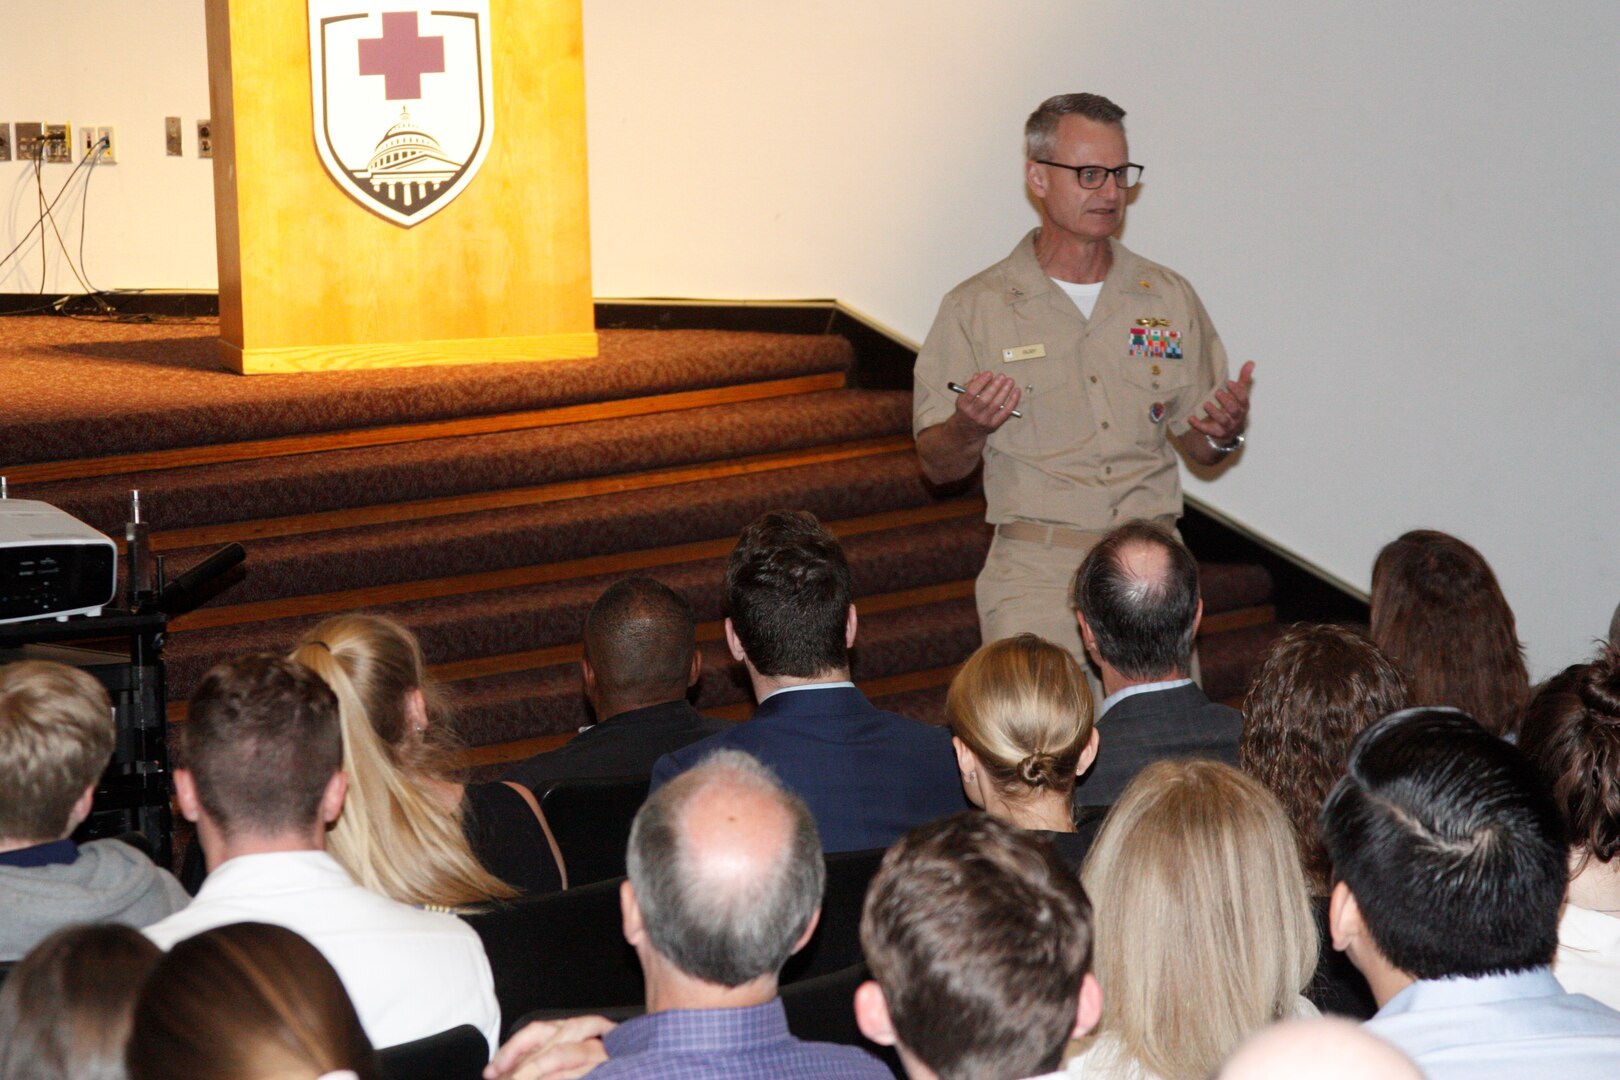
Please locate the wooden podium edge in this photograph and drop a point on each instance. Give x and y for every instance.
(302, 358)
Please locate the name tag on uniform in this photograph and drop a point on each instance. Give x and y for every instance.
(1023, 352)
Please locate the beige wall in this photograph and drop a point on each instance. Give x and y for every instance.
(1403, 212)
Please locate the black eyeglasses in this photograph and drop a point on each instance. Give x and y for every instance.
(1092, 177)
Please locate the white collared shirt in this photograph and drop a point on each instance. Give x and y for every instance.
(1140, 688)
(808, 686)
(410, 973)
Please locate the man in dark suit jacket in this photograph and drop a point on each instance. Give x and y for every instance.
(1136, 598)
(640, 659)
(867, 775)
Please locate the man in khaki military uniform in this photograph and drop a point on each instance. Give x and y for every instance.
(1107, 357)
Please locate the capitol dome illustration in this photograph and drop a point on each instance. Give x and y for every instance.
(408, 164)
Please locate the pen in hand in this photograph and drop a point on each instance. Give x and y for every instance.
(957, 388)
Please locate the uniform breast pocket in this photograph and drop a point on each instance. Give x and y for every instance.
(1049, 400)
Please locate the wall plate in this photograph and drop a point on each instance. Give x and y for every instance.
(59, 144)
(205, 138)
(109, 155)
(171, 136)
(30, 139)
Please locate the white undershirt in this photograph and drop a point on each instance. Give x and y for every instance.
(1084, 296)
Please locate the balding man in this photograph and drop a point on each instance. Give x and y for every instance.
(640, 659)
(1323, 1049)
(1137, 604)
(725, 884)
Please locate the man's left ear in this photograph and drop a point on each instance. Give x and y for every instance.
(849, 628)
(872, 1014)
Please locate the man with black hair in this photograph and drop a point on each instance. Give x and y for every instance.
(867, 775)
(978, 937)
(1450, 867)
(725, 884)
(640, 658)
(1137, 604)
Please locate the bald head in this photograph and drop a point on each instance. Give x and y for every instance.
(1325, 1049)
(639, 640)
(727, 870)
(1138, 591)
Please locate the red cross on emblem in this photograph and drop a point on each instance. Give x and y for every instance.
(400, 56)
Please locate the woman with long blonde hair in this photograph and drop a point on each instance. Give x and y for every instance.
(1020, 718)
(1203, 923)
(408, 827)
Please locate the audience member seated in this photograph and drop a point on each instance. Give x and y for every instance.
(248, 1001)
(1322, 1049)
(1316, 690)
(1439, 614)
(1450, 867)
(259, 773)
(725, 884)
(640, 659)
(867, 775)
(979, 941)
(1204, 931)
(408, 831)
(65, 1010)
(56, 737)
(1571, 734)
(1136, 596)
(1020, 717)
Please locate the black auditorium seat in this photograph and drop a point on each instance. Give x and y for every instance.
(457, 1054)
(591, 820)
(564, 951)
(836, 943)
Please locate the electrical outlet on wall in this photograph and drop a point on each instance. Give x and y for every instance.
(205, 138)
(87, 141)
(109, 145)
(30, 144)
(171, 136)
(59, 144)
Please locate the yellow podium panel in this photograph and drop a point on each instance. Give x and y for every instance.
(361, 221)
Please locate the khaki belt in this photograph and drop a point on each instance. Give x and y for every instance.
(1059, 536)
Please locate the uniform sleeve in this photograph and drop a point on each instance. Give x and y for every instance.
(946, 356)
(1209, 366)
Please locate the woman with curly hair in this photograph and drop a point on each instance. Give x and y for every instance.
(1571, 733)
(409, 829)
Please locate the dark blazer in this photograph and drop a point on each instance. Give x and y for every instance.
(624, 745)
(1143, 728)
(867, 775)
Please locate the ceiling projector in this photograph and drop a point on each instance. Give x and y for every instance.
(52, 565)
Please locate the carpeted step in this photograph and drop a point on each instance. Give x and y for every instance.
(509, 621)
(574, 529)
(549, 700)
(351, 480)
(170, 391)
(1229, 659)
(1231, 586)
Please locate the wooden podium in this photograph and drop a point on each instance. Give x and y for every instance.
(313, 276)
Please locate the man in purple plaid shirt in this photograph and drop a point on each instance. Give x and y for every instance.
(725, 884)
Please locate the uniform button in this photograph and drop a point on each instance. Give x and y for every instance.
(1113, 513)
(1108, 470)
(1155, 386)
(1105, 425)
(1094, 378)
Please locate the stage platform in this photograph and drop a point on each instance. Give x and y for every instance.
(486, 507)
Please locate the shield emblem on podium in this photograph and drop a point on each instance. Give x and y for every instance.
(402, 100)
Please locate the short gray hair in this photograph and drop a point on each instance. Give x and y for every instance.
(724, 936)
(1040, 130)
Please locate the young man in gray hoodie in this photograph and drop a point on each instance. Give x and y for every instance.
(56, 737)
